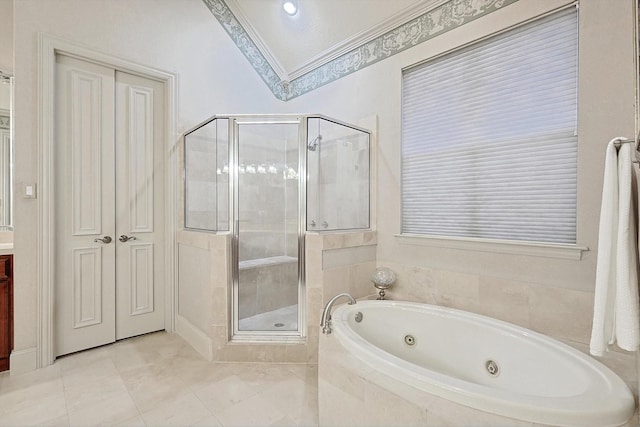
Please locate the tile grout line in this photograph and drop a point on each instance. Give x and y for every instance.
(128, 392)
(64, 394)
(213, 414)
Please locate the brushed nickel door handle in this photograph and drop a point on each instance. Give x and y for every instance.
(105, 239)
(125, 238)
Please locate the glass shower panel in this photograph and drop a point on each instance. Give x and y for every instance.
(207, 176)
(338, 187)
(268, 225)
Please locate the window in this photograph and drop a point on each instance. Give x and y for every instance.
(489, 137)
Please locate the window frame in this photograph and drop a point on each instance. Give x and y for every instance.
(571, 251)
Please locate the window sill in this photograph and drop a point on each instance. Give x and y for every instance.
(548, 250)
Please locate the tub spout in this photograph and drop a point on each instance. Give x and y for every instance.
(326, 313)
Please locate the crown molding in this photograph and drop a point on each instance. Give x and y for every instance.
(431, 19)
(232, 26)
(258, 41)
(359, 39)
(335, 51)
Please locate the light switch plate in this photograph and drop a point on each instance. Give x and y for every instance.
(29, 191)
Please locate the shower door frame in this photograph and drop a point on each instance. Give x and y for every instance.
(235, 121)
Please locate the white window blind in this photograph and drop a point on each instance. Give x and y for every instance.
(489, 142)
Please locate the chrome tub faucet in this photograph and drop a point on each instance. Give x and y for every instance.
(326, 313)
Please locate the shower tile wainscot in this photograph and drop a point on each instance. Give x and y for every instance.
(335, 262)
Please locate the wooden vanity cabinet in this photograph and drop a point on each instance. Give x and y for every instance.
(6, 310)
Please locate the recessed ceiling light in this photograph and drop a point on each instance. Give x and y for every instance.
(290, 7)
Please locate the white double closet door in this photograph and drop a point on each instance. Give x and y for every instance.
(109, 207)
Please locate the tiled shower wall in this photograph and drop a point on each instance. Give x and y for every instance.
(268, 203)
(267, 285)
(206, 161)
(339, 184)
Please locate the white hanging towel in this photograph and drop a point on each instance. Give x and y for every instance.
(615, 311)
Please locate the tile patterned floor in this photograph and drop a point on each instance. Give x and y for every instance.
(158, 380)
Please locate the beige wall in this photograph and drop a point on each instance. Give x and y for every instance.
(5, 96)
(6, 65)
(6, 35)
(176, 36)
(6, 49)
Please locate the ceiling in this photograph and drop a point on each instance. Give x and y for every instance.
(321, 30)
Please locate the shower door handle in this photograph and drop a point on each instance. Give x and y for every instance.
(124, 238)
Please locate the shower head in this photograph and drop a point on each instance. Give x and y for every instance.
(313, 144)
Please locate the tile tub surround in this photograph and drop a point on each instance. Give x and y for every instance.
(534, 306)
(335, 263)
(563, 314)
(351, 393)
(158, 380)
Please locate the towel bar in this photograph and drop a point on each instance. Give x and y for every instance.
(619, 141)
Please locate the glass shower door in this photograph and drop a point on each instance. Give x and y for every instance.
(267, 226)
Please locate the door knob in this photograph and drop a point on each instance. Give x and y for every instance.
(105, 239)
(125, 238)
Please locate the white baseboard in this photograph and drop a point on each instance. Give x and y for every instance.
(195, 337)
(22, 361)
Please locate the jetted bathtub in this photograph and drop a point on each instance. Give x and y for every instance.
(483, 363)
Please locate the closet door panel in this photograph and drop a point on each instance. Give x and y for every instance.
(84, 205)
(140, 207)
